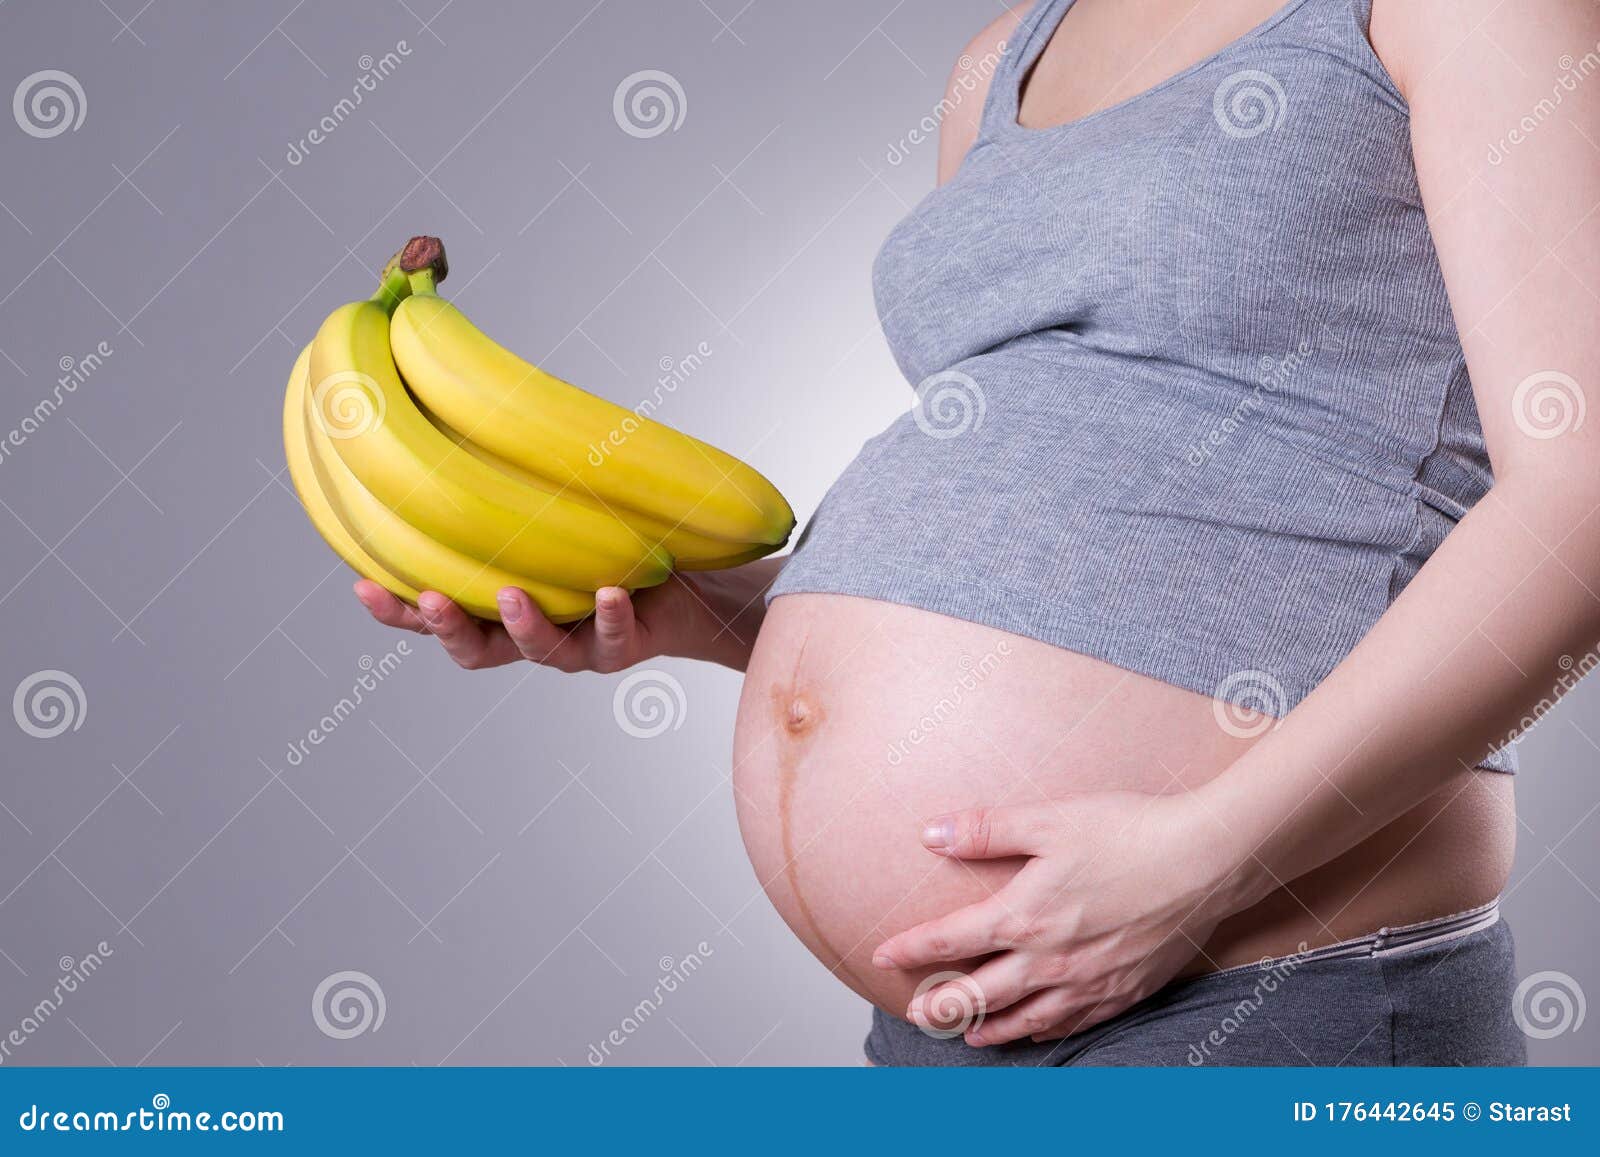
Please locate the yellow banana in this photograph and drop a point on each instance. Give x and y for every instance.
(414, 471)
(318, 509)
(423, 563)
(739, 558)
(573, 439)
(689, 551)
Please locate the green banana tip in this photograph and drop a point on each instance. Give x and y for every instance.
(392, 267)
(394, 286)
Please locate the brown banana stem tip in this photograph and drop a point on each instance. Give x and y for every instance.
(422, 252)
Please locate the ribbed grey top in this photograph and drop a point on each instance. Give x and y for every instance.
(1191, 397)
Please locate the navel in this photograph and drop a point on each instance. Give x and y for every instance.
(798, 715)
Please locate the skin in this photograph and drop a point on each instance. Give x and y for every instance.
(1090, 927)
(712, 616)
(859, 717)
(1089, 917)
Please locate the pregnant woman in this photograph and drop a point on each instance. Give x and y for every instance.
(1144, 694)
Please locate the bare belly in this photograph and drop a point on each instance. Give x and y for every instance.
(860, 719)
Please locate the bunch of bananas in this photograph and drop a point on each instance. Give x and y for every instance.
(431, 458)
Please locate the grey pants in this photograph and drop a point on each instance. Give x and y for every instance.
(1437, 993)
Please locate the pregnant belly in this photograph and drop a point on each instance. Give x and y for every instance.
(859, 719)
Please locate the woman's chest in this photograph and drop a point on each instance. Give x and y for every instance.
(1153, 227)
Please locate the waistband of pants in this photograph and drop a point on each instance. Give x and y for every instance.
(1385, 941)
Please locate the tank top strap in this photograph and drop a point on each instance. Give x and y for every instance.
(1022, 49)
(1342, 17)
(1338, 28)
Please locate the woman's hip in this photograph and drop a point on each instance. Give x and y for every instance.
(1435, 993)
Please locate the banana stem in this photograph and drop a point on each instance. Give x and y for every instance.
(424, 264)
(394, 288)
(422, 282)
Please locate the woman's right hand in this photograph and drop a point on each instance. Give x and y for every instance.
(709, 615)
(620, 633)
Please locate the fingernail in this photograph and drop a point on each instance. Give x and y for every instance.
(609, 599)
(360, 595)
(430, 604)
(882, 960)
(939, 833)
(510, 606)
(975, 1039)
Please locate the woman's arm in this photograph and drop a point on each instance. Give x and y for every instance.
(709, 615)
(1122, 890)
(712, 615)
(1511, 600)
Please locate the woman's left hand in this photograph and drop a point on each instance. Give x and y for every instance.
(1120, 891)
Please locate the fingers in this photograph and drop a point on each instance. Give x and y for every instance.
(989, 833)
(606, 643)
(535, 636)
(1080, 1016)
(464, 638)
(993, 985)
(614, 626)
(387, 609)
(1048, 1015)
(975, 930)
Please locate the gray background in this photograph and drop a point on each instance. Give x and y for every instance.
(511, 868)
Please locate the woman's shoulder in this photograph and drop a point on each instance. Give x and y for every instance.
(995, 35)
(967, 90)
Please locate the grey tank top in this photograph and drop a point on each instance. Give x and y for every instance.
(1189, 395)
